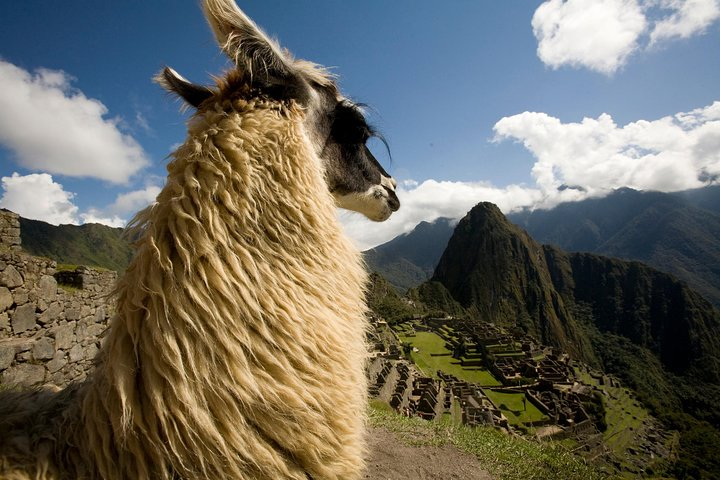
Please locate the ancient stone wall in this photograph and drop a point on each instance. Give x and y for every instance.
(49, 332)
(9, 231)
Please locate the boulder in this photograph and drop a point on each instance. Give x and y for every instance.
(23, 318)
(6, 299)
(10, 277)
(24, 374)
(43, 349)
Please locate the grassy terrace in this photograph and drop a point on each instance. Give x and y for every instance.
(433, 356)
(623, 414)
(513, 407)
(626, 419)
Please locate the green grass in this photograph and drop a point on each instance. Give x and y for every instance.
(512, 406)
(66, 267)
(69, 288)
(503, 456)
(429, 343)
(623, 414)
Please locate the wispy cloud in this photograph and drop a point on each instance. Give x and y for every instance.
(687, 18)
(602, 34)
(52, 127)
(128, 203)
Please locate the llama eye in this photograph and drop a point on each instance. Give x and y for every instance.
(348, 125)
(343, 133)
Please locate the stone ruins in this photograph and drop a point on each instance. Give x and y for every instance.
(51, 322)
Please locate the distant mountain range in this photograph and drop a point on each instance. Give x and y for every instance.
(678, 233)
(91, 244)
(410, 259)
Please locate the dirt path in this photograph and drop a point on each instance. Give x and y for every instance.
(391, 459)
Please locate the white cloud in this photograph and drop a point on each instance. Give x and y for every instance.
(602, 34)
(123, 208)
(38, 197)
(596, 34)
(96, 216)
(430, 200)
(668, 154)
(573, 161)
(127, 204)
(53, 127)
(688, 18)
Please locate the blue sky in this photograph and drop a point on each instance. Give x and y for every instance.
(492, 100)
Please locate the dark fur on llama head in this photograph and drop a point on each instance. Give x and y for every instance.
(335, 126)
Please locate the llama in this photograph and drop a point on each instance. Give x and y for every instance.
(237, 350)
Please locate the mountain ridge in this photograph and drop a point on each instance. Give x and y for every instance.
(91, 244)
(676, 233)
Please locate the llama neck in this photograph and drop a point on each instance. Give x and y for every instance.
(243, 283)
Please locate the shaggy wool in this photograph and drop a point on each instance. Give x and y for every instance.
(238, 347)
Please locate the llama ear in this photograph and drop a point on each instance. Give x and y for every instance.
(175, 83)
(248, 46)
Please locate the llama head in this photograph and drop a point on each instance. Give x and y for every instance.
(335, 126)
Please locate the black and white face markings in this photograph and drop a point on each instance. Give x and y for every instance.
(335, 126)
(355, 177)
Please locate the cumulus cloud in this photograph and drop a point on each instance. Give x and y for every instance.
(38, 197)
(51, 126)
(669, 154)
(596, 34)
(573, 161)
(430, 200)
(688, 18)
(602, 34)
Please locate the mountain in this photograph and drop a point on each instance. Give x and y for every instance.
(497, 272)
(674, 232)
(90, 244)
(645, 326)
(410, 259)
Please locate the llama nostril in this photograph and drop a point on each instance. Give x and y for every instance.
(393, 201)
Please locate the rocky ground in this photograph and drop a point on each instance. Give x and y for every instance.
(392, 459)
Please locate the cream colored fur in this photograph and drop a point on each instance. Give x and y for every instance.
(238, 347)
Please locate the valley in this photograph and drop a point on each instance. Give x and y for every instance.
(656, 338)
(482, 375)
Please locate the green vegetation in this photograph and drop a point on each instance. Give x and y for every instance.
(384, 300)
(92, 244)
(624, 415)
(436, 301)
(66, 267)
(503, 456)
(685, 404)
(512, 405)
(432, 355)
